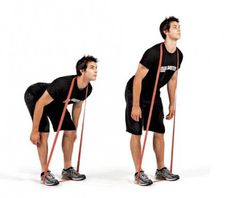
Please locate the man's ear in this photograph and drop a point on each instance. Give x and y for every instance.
(165, 32)
(82, 71)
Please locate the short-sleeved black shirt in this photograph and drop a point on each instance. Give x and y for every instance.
(59, 89)
(150, 60)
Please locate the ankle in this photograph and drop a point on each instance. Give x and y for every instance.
(67, 168)
(160, 167)
(141, 171)
(43, 172)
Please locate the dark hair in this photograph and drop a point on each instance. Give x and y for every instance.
(82, 63)
(165, 25)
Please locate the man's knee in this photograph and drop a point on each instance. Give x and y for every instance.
(44, 137)
(71, 135)
(159, 135)
(135, 137)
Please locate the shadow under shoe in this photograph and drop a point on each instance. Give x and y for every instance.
(72, 174)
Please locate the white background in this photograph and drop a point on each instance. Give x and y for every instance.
(42, 40)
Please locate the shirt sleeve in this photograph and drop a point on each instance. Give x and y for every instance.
(58, 89)
(90, 88)
(150, 58)
(180, 58)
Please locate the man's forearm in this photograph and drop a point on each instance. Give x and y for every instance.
(76, 119)
(76, 111)
(38, 111)
(137, 86)
(171, 87)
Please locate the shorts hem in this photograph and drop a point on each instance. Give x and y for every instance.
(133, 132)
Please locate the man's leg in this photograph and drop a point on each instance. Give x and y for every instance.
(159, 149)
(43, 150)
(135, 128)
(69, 173)
(67, 147)
(162, 173)
(135, 147)
(50, 180)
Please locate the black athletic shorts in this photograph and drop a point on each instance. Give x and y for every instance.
(156, 124)
(53, 111)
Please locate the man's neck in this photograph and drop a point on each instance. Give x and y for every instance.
(82, 82)
(170, 45)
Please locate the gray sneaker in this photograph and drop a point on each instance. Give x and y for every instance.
(72, 174)
(165, 174)
(142, 179)
(50, 179)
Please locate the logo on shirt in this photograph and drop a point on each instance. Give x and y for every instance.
(168, 67)
(74, 100)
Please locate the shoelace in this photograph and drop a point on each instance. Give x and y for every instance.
(50, 175)
(143, 176)
(73, 171)
(166, 171)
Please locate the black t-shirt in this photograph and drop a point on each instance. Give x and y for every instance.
(59, 89)
(150, 60)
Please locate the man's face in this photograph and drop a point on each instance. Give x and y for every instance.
(174, 32)
(91, 71)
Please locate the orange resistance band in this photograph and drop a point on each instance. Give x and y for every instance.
(59, 128)
(173, 132)
(151, 109)
(81, 135)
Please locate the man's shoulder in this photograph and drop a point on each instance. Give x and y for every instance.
(155, 47)
(68, 77)
(64, 79)
(61, 83)
(153, 51)
(180, 53)
(179, 50)
(90, 86)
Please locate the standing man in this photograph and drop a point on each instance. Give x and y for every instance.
(46, 100)
(138, 96)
